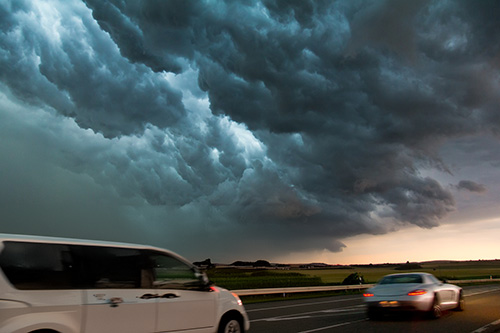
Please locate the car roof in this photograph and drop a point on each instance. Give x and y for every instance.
(85, 242)
(72, 241)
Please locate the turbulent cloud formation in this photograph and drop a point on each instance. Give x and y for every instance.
(284, 125)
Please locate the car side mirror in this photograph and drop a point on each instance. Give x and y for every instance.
(205, 283)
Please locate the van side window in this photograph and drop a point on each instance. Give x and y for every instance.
(110, 267)
(172, 273)
(32, 266)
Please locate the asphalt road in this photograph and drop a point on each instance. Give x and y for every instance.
(347, 314)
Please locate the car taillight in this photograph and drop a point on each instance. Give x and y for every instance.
(417, 292)
(368, 295)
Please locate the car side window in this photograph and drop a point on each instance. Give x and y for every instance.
(172, 273)
(111, 267)
(409, 278)
(434, 279)
(32, 266)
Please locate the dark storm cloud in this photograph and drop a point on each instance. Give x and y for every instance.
(83, 77)
(471, 186)
(303, 121)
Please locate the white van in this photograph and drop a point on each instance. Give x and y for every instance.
(62, 285)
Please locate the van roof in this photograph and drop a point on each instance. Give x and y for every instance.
(75, 241)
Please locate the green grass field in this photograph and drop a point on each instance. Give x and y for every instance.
(239, 278)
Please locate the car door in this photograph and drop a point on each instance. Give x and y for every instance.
(42, 287)
(443, 290)
(183, 302)
(118, 310)
(448, 295)
(118, 293)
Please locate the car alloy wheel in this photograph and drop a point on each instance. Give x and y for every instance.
(436, 311)
(232, 326)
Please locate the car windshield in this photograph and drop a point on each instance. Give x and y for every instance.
(409, 278)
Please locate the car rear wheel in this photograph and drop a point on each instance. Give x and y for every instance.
(372, 314)
(435, 311)
(461, 303)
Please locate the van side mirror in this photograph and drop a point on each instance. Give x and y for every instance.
(205, 283)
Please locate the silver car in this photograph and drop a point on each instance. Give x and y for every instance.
(412, 292)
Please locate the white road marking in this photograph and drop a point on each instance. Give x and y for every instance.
(332, 326)
(490, 325)
(486, 327)
(285, 318)
(312, 314)
(482, 292)
(303, 304)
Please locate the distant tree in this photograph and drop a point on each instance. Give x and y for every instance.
(205, 263)
(354, 278)
(258, 263)
(261, 263)
(242, 263)
(408, 266)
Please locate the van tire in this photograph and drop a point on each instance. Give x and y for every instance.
(230, 325)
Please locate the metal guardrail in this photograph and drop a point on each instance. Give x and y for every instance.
(473, 281)
(292, 290)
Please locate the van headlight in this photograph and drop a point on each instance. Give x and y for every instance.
(238, 300)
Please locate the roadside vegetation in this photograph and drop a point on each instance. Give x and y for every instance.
(253, 278)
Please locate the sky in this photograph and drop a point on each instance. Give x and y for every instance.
(291, 131)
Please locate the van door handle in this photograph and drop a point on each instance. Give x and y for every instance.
(114, 301)
(149, 296)
(170, 295)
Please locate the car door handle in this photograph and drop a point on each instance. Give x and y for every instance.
(149, 296)
(114, 301)
(167, 295)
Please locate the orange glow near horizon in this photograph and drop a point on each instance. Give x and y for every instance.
(463, 241)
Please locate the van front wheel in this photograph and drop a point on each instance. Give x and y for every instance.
(230, 325)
